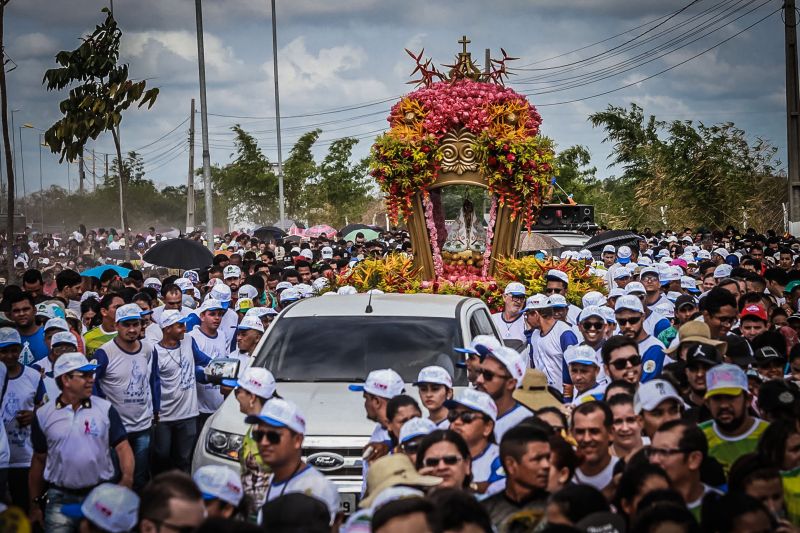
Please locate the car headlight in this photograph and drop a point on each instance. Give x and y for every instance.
(224, 444)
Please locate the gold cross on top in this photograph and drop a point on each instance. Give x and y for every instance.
(464, 42)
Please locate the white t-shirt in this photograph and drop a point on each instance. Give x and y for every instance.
(125, 380)
(548, 352)
(208, 395)
(311, 482)
(598, 481)
(510, 330)
(511, 418)
(153, 334)
(22, 394)
(486, 467)
(176, 368)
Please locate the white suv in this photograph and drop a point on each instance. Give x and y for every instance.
(317, 347)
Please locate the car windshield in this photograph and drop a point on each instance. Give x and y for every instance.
(347, 348)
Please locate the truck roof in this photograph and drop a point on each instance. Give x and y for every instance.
(425, 305)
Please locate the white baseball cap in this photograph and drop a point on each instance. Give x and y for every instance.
(211, 304)
(247, 291)
(435, 375)
(624, 255)
(218, 482)
(184, 284)
(304, 289)
(475, 400)
(416, 427)
(515, 289)
(347, 289)
(481, 345)
(320, 283)
(722, 252)
(703, 254)
(9, 336)
(649, 270)
(608, 314)
(535, 302)
(71, 361)
(256, 380)
(385, 383)
(581, 354)
(651, 393)
(557, 275)
(590, 311)
(192, 276)
(621, 272)
(634, 286)
(670, 274)
(690, 284)
(57, 323)
(231, 271)
(666, 309)
(723, 271)
(631, 303)
(283, 285)
(108, 506)
(280, 413)
(153, 283)
(616, 292)
(261, 312)
(593, 298)
(327, 252)
(89, 294)
(557, 300)
(64, 337)
(128, 312)
(308, 254)
(609, 248)
(170, 317)
(512, 360)
(290, 295)
(251, 322)
(220, 292)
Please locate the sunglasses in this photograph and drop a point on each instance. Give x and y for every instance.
(552, 290)
(593, 325)
(273, 437)
(626, 321)
(449, 460)
(411, 447)
(488, 375)
(622, 364)
(467, 417)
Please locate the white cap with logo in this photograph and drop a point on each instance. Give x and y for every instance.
(128, 312)
(280, 413)
(256, 380)
(247, 291)
(651, 393)
(476, 401)
(171, 317)
(9, 336)
(57, 323)
(108, 506)
(416, 427)
(70, 362)
(220, 292)
(435, 375)
(515, 289)
(64, 337)
(581, 354)
(251, 322)
(231, 271)
(385, 383)
(218, 482)
(630, 303)
(512, 360)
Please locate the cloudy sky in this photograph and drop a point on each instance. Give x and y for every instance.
(340, 59)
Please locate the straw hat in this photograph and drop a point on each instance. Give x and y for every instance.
(696, 331)
(393, 470)
(533, 393)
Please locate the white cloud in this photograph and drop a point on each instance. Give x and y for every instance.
(32, 45)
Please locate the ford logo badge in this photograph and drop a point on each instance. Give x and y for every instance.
(326, 462)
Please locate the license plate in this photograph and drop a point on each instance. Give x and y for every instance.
(347, 502)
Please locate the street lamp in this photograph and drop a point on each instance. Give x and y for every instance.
(41, 181)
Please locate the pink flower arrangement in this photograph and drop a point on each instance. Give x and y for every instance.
(433, 234)
(464, 103)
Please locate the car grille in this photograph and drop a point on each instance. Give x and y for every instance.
(342, 461)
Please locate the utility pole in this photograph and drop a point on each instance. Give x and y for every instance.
(41, 182)
(94, 174)
(792, 110)
(22, 167)
(281, 202)
(81, 173)
(201, 63)
(190, 181)
(105, 177)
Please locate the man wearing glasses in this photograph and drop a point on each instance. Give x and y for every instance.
(548, 345)
(622, 360)
(650, 278)
(680, 447)
(629, 313)
(510, 321)
(499, 375)
(472, 415)
(557, 283)
(72, 438)
(279, 432)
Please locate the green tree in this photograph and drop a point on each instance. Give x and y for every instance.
(248, 186)
(300, 170)
(343, 187)
(100, 91)
(132, 169)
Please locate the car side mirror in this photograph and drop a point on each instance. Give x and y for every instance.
(221, 368)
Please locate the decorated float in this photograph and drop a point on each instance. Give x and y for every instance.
(459, 128)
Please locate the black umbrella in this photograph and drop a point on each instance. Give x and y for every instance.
(185, 254)
(352, 227)
(266, 233)
(617, 237)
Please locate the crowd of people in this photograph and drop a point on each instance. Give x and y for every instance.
(668, 402)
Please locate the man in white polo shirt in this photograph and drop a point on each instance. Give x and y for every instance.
(127, 375)
(510, 322)
(72, 440)
(473, 415)
(210, 341)
(279, 434)
(499, 375)
(180, 363)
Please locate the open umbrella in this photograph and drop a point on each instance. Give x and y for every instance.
(97, 271)
(352, 227)
(185, 254)
(617, 237)
(266, 233)
(529, 242)
(369, 234)
(319, 229)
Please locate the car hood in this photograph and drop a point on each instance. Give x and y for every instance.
(330, 409)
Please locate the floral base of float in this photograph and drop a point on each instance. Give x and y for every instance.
(397, 273)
